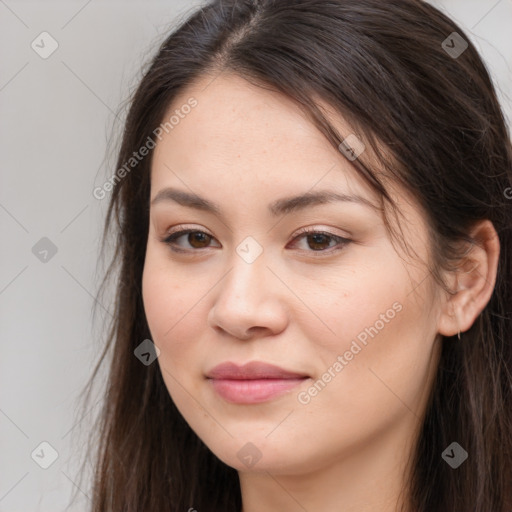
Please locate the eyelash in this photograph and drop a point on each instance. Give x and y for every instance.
(341, 242)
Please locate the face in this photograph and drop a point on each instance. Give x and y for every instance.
(337, 323)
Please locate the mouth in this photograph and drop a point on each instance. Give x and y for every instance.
(252, 383)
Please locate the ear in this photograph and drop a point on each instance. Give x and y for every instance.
(473, 281)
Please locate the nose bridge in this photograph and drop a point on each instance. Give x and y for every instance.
(244, 300)
(248, 271)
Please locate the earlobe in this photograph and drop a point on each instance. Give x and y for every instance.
(474, 278)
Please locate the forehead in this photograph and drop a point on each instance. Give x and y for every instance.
(243, 136)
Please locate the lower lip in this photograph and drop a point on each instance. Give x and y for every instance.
(253, 391)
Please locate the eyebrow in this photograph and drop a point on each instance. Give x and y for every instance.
(279, 207)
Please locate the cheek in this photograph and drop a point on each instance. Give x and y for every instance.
(175, 305)
(173, 322)
(386, 348)
(353, 303)
(167, 304)
(383, 332)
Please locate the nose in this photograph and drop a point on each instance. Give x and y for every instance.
(250, 301)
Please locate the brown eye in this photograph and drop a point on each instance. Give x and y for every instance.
(196, 240)
(317, 241)
(321, 242)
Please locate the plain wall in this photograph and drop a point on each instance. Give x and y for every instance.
(57, 114)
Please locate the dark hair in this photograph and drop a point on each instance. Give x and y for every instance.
(435, 123)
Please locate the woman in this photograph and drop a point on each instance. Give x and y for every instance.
(312, 215)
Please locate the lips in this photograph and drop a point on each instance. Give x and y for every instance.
(252, 370)
(254, 382)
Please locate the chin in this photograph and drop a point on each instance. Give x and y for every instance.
(257, 454)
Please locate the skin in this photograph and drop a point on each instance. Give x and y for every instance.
(243, 147)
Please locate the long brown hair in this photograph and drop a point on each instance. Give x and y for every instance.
(386, 67)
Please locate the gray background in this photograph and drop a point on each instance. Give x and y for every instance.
(57, 117)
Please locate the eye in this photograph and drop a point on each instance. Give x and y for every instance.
(318, 240)
(196, 239)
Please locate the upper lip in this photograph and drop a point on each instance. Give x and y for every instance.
(252, 370)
